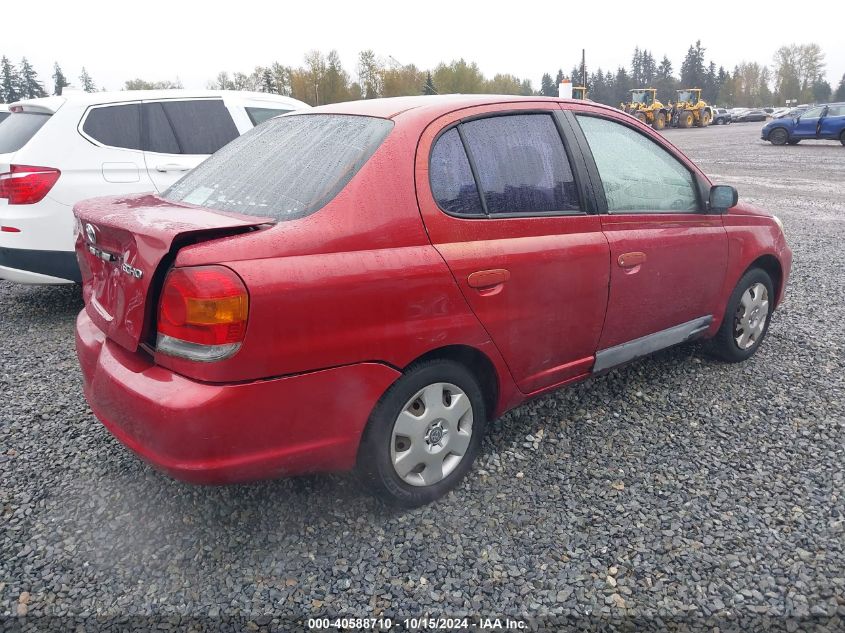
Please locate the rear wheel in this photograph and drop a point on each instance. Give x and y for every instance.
(640, 116)
(659, 121)
(842, 137)
(778, 136)
(746, 319)
(423, 434)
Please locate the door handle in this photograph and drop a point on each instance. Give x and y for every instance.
(629, 260)
(163, 167)
(488, 278)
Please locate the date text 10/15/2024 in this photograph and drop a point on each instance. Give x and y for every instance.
(416, 624)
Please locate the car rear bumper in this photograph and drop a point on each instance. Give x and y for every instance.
(215, 434)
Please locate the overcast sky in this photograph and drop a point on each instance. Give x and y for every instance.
(191, 40)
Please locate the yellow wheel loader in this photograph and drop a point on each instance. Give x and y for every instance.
(645, 107)
(689, 110)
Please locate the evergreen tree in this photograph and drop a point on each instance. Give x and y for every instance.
(547, 88)
(559, 77)
(86, 81)
(428, 88)
(649, 68)
(59, 81)
(637, 68)
(30, 87)
(268, 82)
(622, 86)
(821, 90)
(9, 82)
(692, 68)
(840, 90)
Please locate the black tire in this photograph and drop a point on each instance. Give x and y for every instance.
(842, 137)
(375, 465)
(778, 136)
(724, 345)
(794, 141)
(659, 121)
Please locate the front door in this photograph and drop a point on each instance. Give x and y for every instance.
(668, 257)
(503, 203)
(808, 123)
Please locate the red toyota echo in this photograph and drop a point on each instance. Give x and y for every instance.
(364, 285)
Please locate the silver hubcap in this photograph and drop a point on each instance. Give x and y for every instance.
(751, 315)
(431, 434)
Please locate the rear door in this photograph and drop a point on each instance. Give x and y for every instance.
(178, 134)
(506, 206)
(668, 257)
(116, 165)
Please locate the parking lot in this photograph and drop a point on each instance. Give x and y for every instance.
(675, 491)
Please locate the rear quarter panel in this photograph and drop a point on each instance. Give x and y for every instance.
(356, 281)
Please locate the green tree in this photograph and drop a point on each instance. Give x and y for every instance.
(268, 81)
(840, 90)
(334, 84)
(86, 81)
(369, 74)
(59, 81)
(9, 82)
(503, 84)
(459, 77)
(30, 87)
(692, 68)
(547, 88)
(821, 90)
(429, 89)
(143, 84)
(665, 81)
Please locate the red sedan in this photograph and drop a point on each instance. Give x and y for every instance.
(367, 284)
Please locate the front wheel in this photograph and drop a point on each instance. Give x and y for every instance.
(659, 121)
(842, 137)
(746, 319)
(778, 136)
(423, 434)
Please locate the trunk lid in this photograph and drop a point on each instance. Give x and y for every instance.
(124, 246)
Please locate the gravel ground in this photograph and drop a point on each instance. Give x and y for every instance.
(676, 493)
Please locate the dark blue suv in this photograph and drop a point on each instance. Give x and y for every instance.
(821, 121)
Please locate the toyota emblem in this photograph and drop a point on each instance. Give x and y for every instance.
(91, 233)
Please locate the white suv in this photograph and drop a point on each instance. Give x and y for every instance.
(57, 151)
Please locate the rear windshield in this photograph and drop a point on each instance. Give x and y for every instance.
(285, 168)
(18, 128)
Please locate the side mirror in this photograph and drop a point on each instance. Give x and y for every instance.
(722, 198)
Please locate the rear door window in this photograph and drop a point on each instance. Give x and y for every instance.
(18, 128)
(199, 127)
(451, 178)
(158, 134)
(521, 164)
(115, 126)
(259, 115)
(286, 168)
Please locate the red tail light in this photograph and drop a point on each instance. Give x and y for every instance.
(202, 313)
(25, 184)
